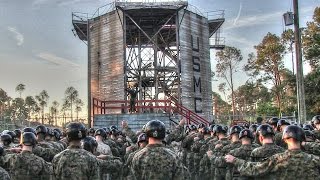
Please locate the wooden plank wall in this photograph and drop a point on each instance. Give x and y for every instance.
(107, 58)
(196, 89)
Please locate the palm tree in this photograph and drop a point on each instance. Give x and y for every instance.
(78, 103)
(19, 110)
(4, 98)
(20, 88)
(31, 104)
(54, 111)
(71, 95)
(43, 99)
(64, 108)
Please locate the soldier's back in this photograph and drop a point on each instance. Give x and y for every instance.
(4, 175)
(296, 165)
(75, 164)
(291, 164)
(265, 151)
(27, 166)
(157, 163)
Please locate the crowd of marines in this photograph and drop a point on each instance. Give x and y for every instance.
(269, 149)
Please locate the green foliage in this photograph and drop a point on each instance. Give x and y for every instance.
(267, 109)
(20, 88)
(312, 89)
(311, 40)
(268, 63)
(227, 64)
(71, 97)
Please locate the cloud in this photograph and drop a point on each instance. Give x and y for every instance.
(238, 16)
(260, 19)
(17, 35)
(59, 61)
(36, 3)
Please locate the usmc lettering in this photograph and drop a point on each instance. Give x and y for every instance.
(196, 75)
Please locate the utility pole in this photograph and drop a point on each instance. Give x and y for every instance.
(299, 74)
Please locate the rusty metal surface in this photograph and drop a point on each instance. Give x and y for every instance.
(195, 63)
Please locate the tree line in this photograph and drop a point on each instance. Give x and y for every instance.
(265, 68)
(37, 108)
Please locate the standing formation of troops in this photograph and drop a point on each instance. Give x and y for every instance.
(274, 149)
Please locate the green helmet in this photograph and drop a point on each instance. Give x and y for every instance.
(75, 131)
(294, 132)
(28, 139)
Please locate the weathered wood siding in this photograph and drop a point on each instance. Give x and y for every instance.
(107, 58)
(195, 63)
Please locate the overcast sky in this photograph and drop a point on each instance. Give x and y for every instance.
(39, 50)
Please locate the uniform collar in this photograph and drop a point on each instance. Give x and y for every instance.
(74, 147)
(155, 145)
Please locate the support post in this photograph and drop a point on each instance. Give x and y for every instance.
(299, 75)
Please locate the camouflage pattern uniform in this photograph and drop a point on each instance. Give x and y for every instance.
(157, 163)
(316, 133)
(278, 140)
(207, 165)
(26, 166)
(292, 164)
(103, 148)
(187, 157)
(243, 152)
(176, 135)
(113, 146)
(128, 162)
(57, 146)
(196, 156)
(265, 151)
(46, 153)
(75, 163)
(111, 166)
(221, 166)
(129, 133)
(312, 148)
(4, 174)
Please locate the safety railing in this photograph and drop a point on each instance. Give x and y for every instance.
(168, 106)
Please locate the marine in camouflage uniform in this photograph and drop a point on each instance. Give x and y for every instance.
(265, 135)
(316, 122)
(221, 166)
(155, 161)
(75, 163)
(278, 137)
(187, 155)
(207, 166)
(177, 134)
(6, 141)
(26, 165)
(292, 164)
(41, 132)
(102, 148)
(110, 166)
(4, 175)
(199, 141)
(311, 148)
(142, 142)
(243, 152)
(126, 130)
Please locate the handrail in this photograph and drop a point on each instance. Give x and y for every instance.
(191, 116)
(169, 105)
